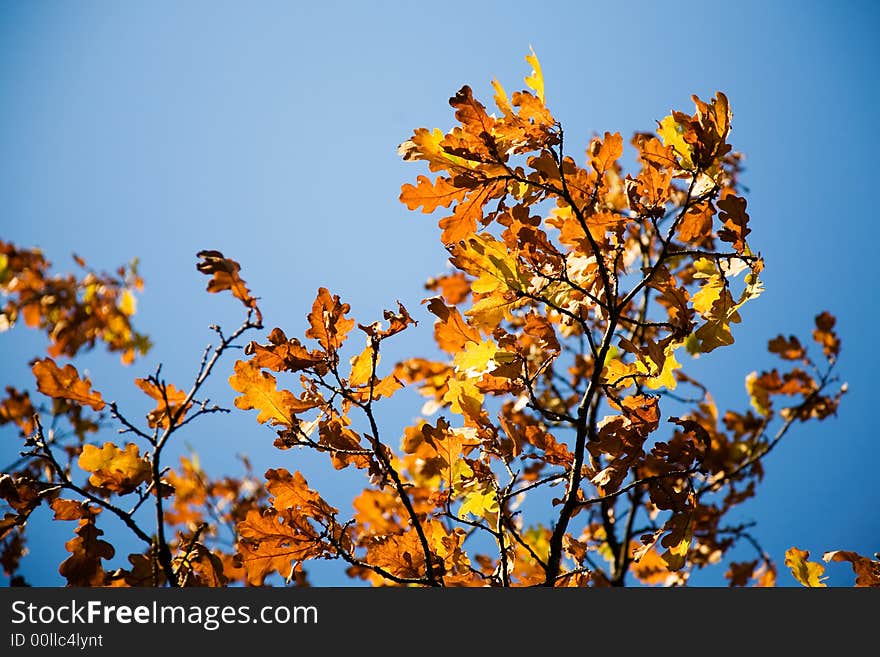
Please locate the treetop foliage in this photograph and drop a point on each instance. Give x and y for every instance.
(561, 441)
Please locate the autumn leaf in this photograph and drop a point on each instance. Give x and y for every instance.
(825, 336)
(430, 195)
(225, 276)
(18, 409)
(281, 537)
(329, 326)
(83, 567)
(292, 492)
(605, 152)
(397, 322)
(170, 403)
(281, 354)
(401, 555)
(673, 135)
(115, 469)
(480, 501)
(808, 573)
(198, 566)
(451, 332)
(362, 366)
(677, 542)
(535, 80)
(70, 509)
(787, 348)
(735, 219)
(272, 542)
(259, 392)
(867, 570)
(65, 383)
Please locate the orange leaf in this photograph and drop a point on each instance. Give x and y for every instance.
(329, 325)
(159, 416)
(292, 492)
(65, 384)
(283, 355)
(431, 195)
(452, 333)
(260, 392)
(605, 152)
(225, 277)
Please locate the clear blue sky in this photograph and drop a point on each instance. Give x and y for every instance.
(269, 131)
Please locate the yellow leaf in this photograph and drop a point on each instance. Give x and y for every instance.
(474, 359)
(491, 262)
(535, 79)
(464, 397)
(127, 303)
(672, 134)
(708, 295)
(481, 502)
(501, 100)
(678, 541)
(645, 370)
(114, 469)
(665, 378)
(362, 366)
(759, 396)
(808, 573)
(489, 311)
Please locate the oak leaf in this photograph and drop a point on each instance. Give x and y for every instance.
(115, 469)
(328, 323)
(867, 570)
(225, 276)
(65, 383)
(808, 573)
(259, 392)
(83, 567)
(170, 403)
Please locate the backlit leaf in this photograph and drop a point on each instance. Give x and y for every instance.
(808, 573)
(119, 470)
(65, 383)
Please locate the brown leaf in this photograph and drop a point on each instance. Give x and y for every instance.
(224, 273)
(200, 567)
(70, 509)
(284, 355)
(825, 336)
(740, 572)
(867, 570)
(454, 287)
(83, 566)
(735, 219)
(787, 348)
(17, 408)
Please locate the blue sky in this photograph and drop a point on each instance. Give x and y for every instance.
(269, 131)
